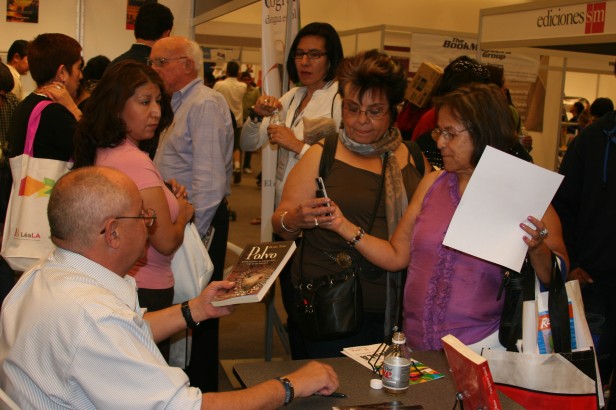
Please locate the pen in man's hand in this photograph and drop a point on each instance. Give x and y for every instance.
(334, 395)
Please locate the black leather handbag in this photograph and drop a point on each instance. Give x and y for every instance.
(331, 306)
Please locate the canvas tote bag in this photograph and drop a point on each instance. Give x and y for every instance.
(26, 237)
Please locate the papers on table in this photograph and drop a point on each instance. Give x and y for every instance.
(365, 355)
(502, 193)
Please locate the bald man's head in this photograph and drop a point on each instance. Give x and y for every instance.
(177, 60)
(81, 202)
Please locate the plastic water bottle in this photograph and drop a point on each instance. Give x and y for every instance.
(397, 365)
(276, 118)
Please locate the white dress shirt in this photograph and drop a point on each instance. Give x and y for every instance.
(72, 336)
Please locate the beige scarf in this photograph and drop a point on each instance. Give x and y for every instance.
(395, 193)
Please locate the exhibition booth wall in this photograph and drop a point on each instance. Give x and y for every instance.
(538, 77)
(520, 43)
(578, 42)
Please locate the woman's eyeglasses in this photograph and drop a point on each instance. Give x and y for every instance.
(311, 54)
(447, 133)
(373, 113)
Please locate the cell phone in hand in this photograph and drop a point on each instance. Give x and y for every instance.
(321, 192)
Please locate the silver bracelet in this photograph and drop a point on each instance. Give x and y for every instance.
(284, 227)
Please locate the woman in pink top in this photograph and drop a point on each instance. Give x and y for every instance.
(446, 290)
(128, 106)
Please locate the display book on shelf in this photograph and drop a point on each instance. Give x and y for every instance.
(472, 376)
(255, 272)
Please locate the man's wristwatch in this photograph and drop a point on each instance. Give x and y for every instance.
(289, 393)
(190, 322)
(254, 117)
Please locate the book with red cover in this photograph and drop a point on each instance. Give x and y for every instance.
(255, 272)
(472, 376)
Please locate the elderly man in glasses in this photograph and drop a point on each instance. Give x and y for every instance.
(72, 333)
(197, 151)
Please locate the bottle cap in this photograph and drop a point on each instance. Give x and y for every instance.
(399, 338)
(376, 384)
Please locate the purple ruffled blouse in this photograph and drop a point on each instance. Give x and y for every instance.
(447, 291)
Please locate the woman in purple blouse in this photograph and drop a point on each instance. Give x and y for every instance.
(447, 291)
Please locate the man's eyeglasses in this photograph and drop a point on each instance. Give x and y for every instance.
(448, 133)
(161, 62)
(148, 216)
(311, 54)
(374, 113)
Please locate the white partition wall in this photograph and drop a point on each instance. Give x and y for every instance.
(99, 26)
(104, 26)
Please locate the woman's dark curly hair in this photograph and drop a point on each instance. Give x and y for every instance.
(372, 70)
(101, 125)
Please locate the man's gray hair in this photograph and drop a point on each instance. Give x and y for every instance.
(81, 202)
(195, 53)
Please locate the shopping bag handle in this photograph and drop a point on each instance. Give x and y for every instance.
(558, 308)
(33, 123)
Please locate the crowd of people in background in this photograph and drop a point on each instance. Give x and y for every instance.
(156, 142)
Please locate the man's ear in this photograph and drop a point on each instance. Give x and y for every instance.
(112, 235)
(189, 65)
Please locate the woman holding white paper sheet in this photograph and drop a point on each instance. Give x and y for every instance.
(448, 291)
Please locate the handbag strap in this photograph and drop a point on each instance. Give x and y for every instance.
(329, 152)
(524, 283)
(417, 155)
(33, 123)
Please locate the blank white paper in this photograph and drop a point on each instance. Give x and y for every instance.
(502, 192)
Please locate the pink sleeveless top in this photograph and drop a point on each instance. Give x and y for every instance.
(447, 291)
(154, 270)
